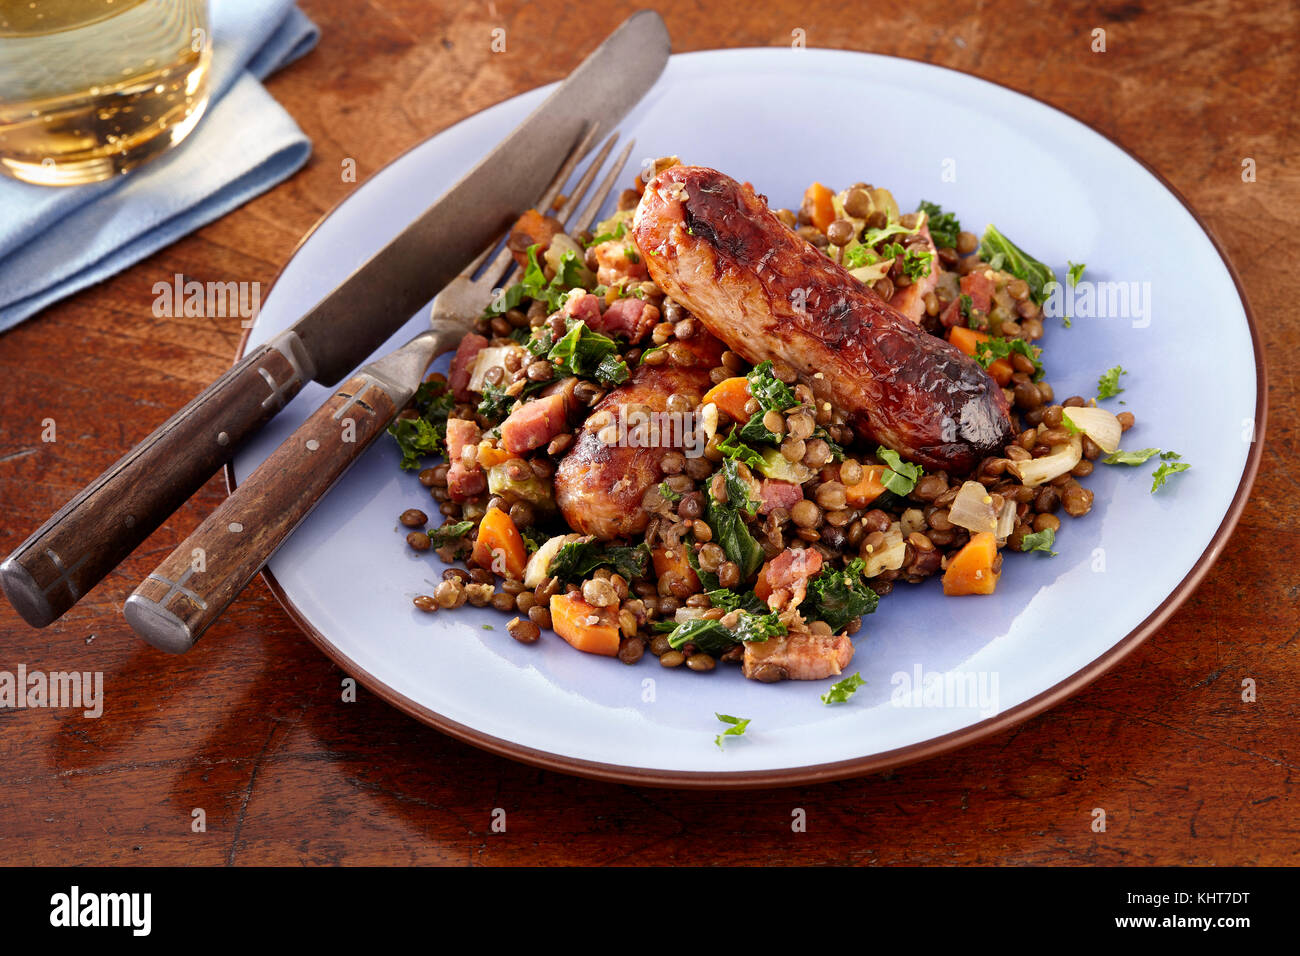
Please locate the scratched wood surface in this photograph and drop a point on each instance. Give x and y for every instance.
(250, 727)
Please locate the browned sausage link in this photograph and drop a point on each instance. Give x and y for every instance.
(714, 246)
(600, 483)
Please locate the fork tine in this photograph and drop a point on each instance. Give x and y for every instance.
(503, 265)
(566, 170)
(547, 198)
(584, 183)
(588, 214)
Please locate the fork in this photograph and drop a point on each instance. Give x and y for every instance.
(190, 589)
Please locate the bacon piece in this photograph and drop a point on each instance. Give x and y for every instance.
(910, 299)
(585, 307)
(775, 494)
(534, 424)
(460, 433)
(783, 581)
(462, 365)
(465, 483)
(800, 656)
(630, 317)
(979, 287)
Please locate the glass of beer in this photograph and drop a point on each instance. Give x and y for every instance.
(90, 89)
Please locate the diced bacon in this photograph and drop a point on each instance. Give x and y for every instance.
(801, 656)
(979, 287)
(585, 307)
(613, 265)
(564, 387)
(629, 317)
(460, 433)
(462, 364)
(783, 581)
(534, 423)
(465, 483)
(952, 316)
(910, 300)
(775, 494)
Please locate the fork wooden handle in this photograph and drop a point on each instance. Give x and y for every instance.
(96, 530)
(189, 590)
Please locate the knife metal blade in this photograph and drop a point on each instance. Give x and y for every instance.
(378, 298)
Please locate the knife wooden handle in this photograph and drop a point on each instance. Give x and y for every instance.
(189, 590)
(96, 530)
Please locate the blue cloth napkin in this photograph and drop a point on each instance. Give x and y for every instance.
(55, 241)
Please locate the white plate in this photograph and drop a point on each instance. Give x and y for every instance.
(782, 119)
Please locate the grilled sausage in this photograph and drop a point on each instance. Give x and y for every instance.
(715, 247)
(600, 482)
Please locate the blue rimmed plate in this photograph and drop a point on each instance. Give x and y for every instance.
(940, 672)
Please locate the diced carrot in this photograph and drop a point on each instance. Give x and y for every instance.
(730, 395)
(674, 560)
(817, 203)
(588, 628)
(971, 570)
(868, 489)
(489, 455)
(534, 423)
(532, 228)
(966, 340)
(499, 545)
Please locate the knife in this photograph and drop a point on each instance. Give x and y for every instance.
(55, 567)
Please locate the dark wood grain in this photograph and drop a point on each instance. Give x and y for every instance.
(252, 728)
(105, 521)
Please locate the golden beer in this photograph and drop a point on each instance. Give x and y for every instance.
(92, 88)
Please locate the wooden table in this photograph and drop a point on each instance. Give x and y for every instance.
(250, 728)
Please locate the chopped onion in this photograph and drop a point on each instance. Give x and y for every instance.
(913, 519)
(877, 270)
(972, 509)
(1037, 471)
(709, 417)
(685, 614)
(889, 556)
(531, 489)
(1006, 520)
(486, 359)
(837, 203)
(1098, 424)
(554, 257)
(559, 245)
(540, 560)
(883, 199)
